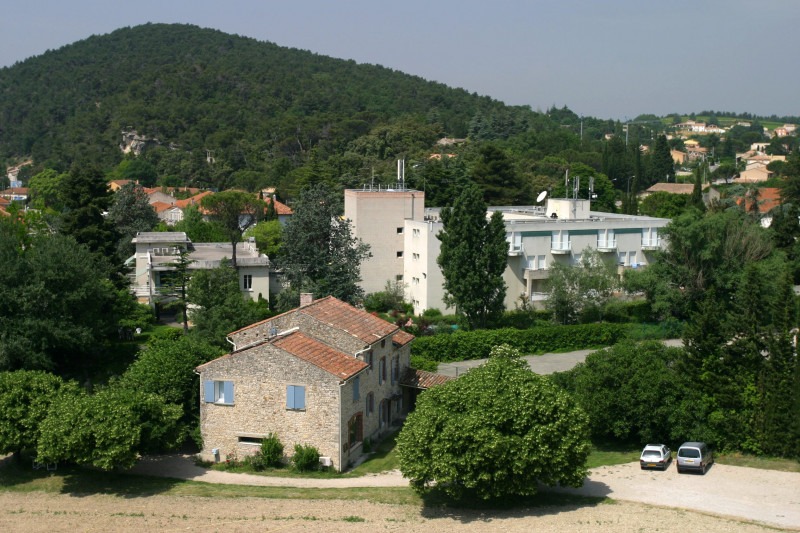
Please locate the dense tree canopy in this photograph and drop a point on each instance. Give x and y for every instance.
(496, 431)
(320, 254)
(234, 211)
(473, 258)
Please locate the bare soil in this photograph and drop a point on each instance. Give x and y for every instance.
(727, 499)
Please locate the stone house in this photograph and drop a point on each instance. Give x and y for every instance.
(325, 374)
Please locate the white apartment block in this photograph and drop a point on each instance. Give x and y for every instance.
(538, 237)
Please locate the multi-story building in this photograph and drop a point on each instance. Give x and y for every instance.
(378, 217)
(538, 237)
(156, 253)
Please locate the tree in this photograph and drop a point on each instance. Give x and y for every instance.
(109, 429)
(663, 167)
(25, 397)
(175, 286)
(137, 170)
(131, 212)
(218, 306)
(58, 306)
(499, 430)
(663, 204)
(235, 211)
(320, 254)
(268, 235)
(473, 258)
(580, 291)
(495, 174)
(629, 391)
(46, 190)
(86, 198)
(197, 229)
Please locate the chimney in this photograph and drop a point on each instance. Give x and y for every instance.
(306, 298)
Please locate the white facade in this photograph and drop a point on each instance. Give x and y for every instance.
(157, 251)
(378, 217)
(537, 240)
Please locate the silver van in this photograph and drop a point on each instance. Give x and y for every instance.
(694, 456)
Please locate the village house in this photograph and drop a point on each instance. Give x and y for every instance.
(325, 374)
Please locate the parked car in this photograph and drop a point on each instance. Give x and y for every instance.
(655, 456)
(694, 456)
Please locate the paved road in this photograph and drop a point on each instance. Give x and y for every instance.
(541, 364)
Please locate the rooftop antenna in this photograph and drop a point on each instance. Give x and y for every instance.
(577, 185)
(401, 173)
(566, 183)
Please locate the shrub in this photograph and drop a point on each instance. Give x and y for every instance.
(305, 458)
(272, 450)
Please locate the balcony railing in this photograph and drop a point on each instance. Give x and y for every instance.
(651, 244)
(606, 245)
(560, 247)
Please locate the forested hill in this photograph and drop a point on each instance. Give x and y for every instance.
(252, 103)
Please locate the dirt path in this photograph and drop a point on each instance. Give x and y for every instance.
(765, 496)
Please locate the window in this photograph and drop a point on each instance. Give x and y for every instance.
(370, 404)
(415, 257)
(218, 392)
(381, 371)
(383, 413)
(398, 277)
(247, 282)
(356, 387)
(399, 231)
(355, 430)
(383, 343)
(370, 359)
(395, 370)
(250, 440)
(415, 232)
(296, 397)
(400, 253)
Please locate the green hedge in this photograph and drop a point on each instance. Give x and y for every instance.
(466, 345)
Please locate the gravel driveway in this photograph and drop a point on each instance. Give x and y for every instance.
(766, 496)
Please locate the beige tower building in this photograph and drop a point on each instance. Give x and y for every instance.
(378, 217)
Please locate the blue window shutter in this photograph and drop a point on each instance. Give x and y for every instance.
(290, 397)
(208, 391)
(227, 389)
(300, 397)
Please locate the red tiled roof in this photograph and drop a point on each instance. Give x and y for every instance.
(343, 316)
(280, 208)
(4, 213)
(339, 364)
(768, 199)
(420, 379)
(161, 206)
(401, 338)
(194, 200)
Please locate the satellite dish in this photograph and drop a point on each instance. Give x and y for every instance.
(541, 196)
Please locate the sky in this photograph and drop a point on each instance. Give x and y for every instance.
(601, 58)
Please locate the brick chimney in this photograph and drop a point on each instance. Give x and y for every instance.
(306, 298)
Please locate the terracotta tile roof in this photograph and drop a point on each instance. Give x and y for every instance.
(161, 206)
(768, 199)
(280, 208)
(401, 338)
(343, 316)
(339, 364)
(672, 188)
(420, 379)
(193, 200)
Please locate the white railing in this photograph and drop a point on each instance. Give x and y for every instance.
(651, 243)
(606, 244)
(560, 246)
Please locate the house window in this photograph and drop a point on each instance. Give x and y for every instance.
(356, 388)
(415, 233)
(381, 371)
(399, 231)
(355, 429)
(383, 343)
(218, 392)
(398, 277)
(370, 359)
(250, 440)
(400, 253)
(296, 397)
(370, 404)
(247, 282)
(415, 257)
(383, 413)
(395, 370)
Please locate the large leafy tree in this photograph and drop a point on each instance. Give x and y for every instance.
(25, 398)
(58, 307)
(131, 212)
(473, 258)
(218, 306)
(579, 292)
(319, 253)
(494, 172)
(496, 431)
(235, 211)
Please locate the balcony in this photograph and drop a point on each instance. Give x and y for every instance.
(536, 273)
(606, 245)
(560, 247)
(651, 244)
(538, 296)
(515, 250)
